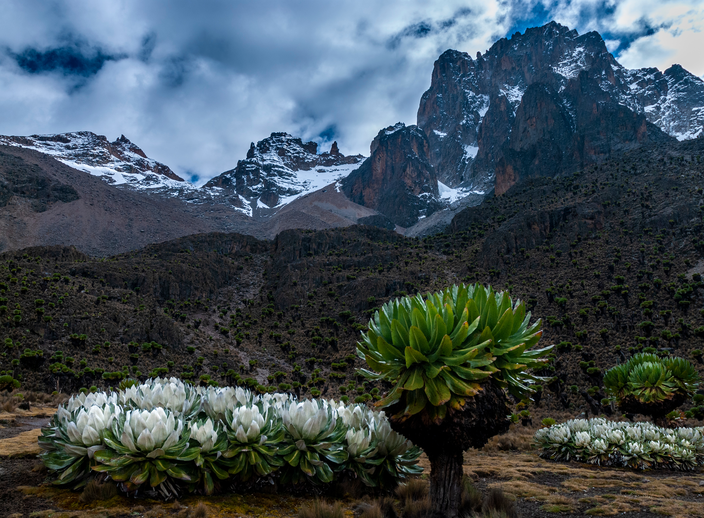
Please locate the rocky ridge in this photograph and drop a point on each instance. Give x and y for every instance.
(397, 179)
(535, 95)
(279, 169)
(118, 163)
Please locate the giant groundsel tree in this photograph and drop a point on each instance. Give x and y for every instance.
(451, 357)
(649, 385)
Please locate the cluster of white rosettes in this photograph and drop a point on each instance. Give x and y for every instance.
(170, 432)
(639, 445)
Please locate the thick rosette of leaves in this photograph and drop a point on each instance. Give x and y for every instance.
(148, 447)
(217, 400)
(436, 349)
(171, 394)
(255, 436)
(396, 456)
(651, 385)
(71, 440)
(209, 441)
(378, 455)
(315, 439)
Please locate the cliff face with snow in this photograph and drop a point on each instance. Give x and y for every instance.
(548, 96)
(543, 103)
(280, 169)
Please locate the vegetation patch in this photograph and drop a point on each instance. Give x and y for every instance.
(639, 445)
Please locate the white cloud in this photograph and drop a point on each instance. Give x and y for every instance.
(194, 83)
(200, 81)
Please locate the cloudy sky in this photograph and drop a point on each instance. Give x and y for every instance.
(194, 82)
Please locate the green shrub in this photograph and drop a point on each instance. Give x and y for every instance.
(650, 385)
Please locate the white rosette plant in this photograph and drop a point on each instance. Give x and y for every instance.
(148, 447)
(636, 445)
(255, 437)
(210, 441)
(72, 439)
(171, 394)
(315, 439)
(165, 436)
(397, 457)
(217, 400)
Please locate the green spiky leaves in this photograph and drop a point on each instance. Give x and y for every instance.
(437, 349)
(651, 380)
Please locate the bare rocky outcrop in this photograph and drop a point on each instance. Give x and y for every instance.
(545, 102)
(397, 180)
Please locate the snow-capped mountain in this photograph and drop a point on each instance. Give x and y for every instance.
(119, 163)
(280, 169)
(472, 112)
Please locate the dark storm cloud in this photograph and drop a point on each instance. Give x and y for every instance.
(193, 83)
(66, 60)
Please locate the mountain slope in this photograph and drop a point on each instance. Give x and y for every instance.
(45, 202)
(118, 163)
(610, 258)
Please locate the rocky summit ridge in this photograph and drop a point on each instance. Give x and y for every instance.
(118, 163)
(280, 169)
(548, 95)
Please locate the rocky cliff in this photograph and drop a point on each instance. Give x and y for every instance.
(280, 169)
(397, 179)
(544, 102)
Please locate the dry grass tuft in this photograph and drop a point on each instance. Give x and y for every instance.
(381, 508)
(97, 492)
(416, 508)
(9, 404)
(516, 439)
(499, 503)
(472, 498)
(414, 489)
(199, 511)
(320, 509)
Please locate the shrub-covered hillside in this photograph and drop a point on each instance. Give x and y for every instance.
(610, 258)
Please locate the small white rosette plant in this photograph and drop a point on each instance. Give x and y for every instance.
(639, 445)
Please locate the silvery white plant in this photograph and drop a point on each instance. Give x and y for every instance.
(315, 436)
(73, 437)
(150, 431)
(171, 394)
(209, 441)
(148, 447)
(638, 445)
(87, 400)
(205, 434)
(166, 435)
(217, 400)
(255, 436)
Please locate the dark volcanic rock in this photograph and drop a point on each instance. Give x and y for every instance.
(397, 179)
(548, 138)
(28, 181)
(549, 97)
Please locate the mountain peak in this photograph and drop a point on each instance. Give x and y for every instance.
(469, 113)
(280, 169)
(120, 162)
